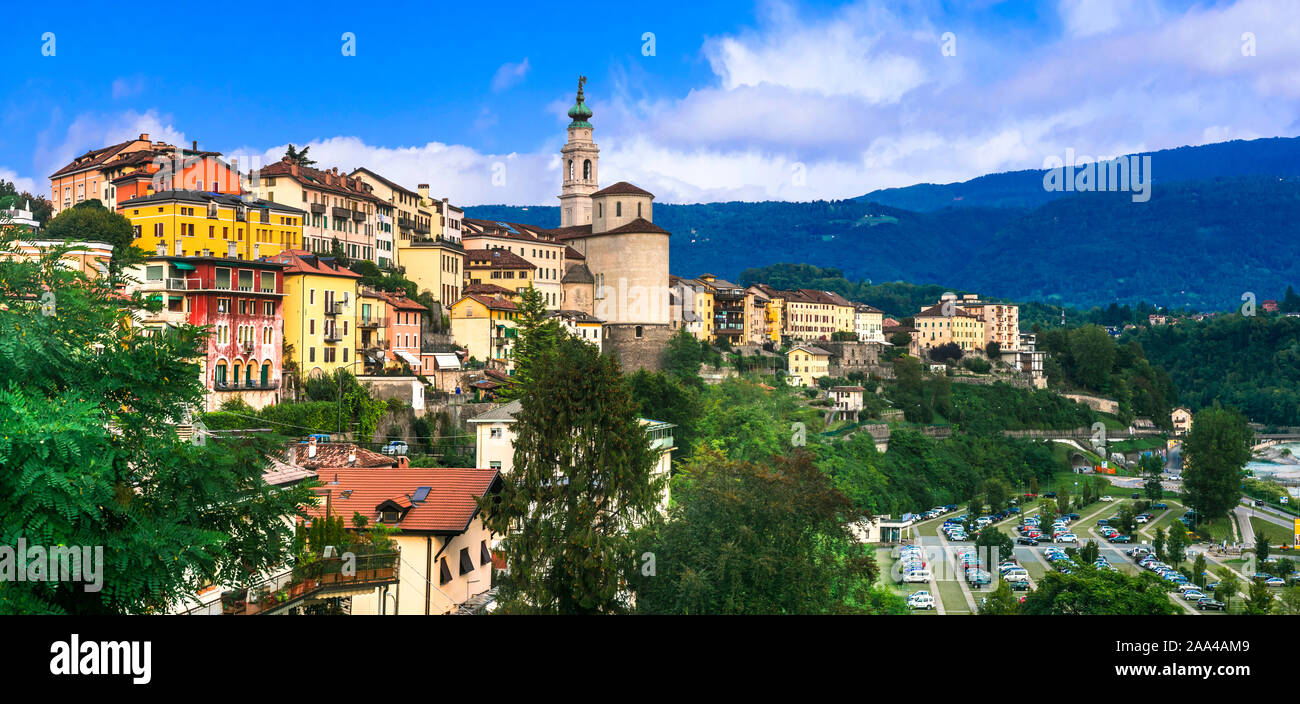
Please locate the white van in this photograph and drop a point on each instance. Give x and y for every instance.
(917, 576)
(1016, 575)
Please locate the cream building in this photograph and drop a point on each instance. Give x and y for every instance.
(337, 207)
(946, 322)
(868, 323)
(537, 247)
(1182, 420)
(445, 549)
(1001, 321)
(806, 364)
(579, 159)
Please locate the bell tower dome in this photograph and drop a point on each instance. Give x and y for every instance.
(578, 160)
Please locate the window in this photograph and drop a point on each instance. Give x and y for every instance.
(444, 574)
(494, 464)
(586, 169)
(495, 433)
(618, 209)
(223, 305)
(466, 564)
(485, 555)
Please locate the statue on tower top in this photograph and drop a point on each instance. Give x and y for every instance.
(580, 113)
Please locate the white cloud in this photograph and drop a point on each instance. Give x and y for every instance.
(22, 183)
(509, 75)
(56, 147)
(126, 87)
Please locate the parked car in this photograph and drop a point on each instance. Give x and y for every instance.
(1019, 586)
(396, 447)
(1071, 516)
(1160, 507)
(319, 437)
(1050, 494)
(1193, 595)
(920, 600)
(921, 575)
(1026, 540)
(1067, 538)
(1275, 582)
(1119, 539)
(1208, 604)
(1107, 498)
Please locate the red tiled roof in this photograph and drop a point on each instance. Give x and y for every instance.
(936, 311)
(335, 454)
(570, 232)
(97, 158)
(496, 302)
(496, 259)
(300, 261)
(341, 184)
(639, 225)
(400, 302)
(571, 253)
(449, 508)
(487, 290)
(622, 188)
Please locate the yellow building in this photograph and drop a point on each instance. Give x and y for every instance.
(485, 327)
(815, 315)
(200, 224)
(535, 246)
(947, 322)
(499, 267)
(320, 311)
(806, 364)
(1001, 321)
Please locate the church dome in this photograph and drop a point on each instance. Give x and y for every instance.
(580, 113)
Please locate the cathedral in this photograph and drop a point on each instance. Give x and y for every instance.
(624, 254)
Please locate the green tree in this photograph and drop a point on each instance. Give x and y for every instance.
(1198, 570)
(995, 544)
(1098, 592)
(1290, 601)
(1215, 452)
(1001, 602)
(1090, 552)
(1158, 545)
(1093, 353)
(1261, 551)
(746, 538)
(682, 356)
(90, 221)
(1176, 546)
(996, 493)
(582, 480)
(88, 415)
(1151, 466)
(1259, 599)
(299, 156)
(1228, 587)
(537, 333)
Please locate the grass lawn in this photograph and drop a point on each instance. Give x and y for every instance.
(1273, 533)
(954, 602)
(1219, 529)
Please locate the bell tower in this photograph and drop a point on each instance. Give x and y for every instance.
(578, 161)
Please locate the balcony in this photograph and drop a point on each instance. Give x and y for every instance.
(358, 216)
(436, 241)
(406, 223)
(370, 322)
(323, 579)
(333, 336)
(334, 308)
(344, 213)
(318, 208)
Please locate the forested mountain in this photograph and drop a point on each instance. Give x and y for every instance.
(1275, 157)
(1195, 244)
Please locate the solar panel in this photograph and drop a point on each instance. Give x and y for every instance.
(421, 494)
(507, 227)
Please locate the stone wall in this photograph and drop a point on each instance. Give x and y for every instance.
(644, 352)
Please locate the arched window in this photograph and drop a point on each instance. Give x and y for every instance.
(638, 210)
(221, 373)
(586, 170)
(600, 210)
(571, 169)
(266, 374)
(618, 209)
(235, 377)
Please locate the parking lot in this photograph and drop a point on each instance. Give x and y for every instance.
(944, 559)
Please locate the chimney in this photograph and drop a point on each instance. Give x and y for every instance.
(352, 458)
(403, 463)
(293, 168)
(194, 145)
(311, 448)
(144, 137)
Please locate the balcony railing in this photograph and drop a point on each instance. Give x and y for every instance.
(370, 322)
(318, 580)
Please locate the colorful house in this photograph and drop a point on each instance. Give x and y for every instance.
(241, 302)
(319, 313)
(485, 327)
(202, 224)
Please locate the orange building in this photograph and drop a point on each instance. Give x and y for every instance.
(123, 171)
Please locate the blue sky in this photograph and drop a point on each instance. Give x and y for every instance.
(740, 101)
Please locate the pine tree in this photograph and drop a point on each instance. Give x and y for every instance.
(299, 157)
(582, 480)
(91, 457)
(536, 333)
